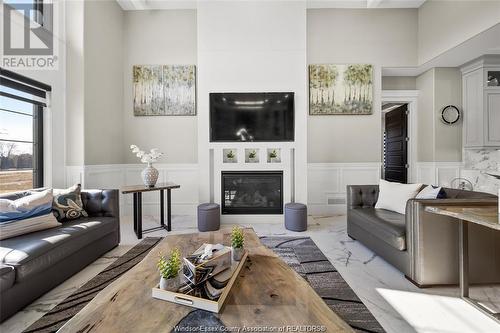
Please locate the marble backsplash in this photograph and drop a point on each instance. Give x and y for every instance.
(477, 163)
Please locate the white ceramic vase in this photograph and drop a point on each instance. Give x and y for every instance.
(237, 253)
(150, 175)
(172, 284)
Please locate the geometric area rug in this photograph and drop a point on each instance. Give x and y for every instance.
(300, 253)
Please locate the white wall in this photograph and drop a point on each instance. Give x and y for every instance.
(438, 142)
(159, 37)
(399, 83)
(103, 82)
(425, 117)
(448, 91)
(443, 25)
(252, 46)
(75, 84)
(343, 36)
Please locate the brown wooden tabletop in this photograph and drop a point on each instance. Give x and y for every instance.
(143, 188)
(267, 292)
(486, 216)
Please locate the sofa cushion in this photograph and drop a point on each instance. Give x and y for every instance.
(393, 196)
(386, 225)
(32, 205)
(35, 252)
(7, 277)
(68, 204)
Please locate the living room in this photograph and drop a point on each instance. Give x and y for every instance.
(353, 145)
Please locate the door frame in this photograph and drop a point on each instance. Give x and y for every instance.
(409, 97)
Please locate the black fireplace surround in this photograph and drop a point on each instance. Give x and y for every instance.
(252, 192)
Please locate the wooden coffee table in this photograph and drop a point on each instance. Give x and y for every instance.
(267, 293)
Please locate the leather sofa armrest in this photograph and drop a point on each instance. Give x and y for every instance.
(432, 241)
(415, 207)
(101, 202)
(361, 196)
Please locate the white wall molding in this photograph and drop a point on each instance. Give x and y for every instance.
(73, 175)
(184, 200)
(327, 184)
(437, 173)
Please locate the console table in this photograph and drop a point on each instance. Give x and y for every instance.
(487, 216)
(137, 191)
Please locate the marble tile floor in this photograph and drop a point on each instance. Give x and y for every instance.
(397, 304)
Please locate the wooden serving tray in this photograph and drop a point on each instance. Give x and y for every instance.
(198, 302)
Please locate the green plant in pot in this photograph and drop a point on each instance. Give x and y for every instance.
(230, 155)
(237, 243)
(273, 155)
(169, 270)
(252, 155)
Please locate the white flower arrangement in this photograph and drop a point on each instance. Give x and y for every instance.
(153, 155)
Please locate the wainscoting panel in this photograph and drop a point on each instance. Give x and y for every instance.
(438, 173)
(327, 184)
(184, 200)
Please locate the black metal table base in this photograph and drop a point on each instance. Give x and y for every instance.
(464, 272)
(138, 214)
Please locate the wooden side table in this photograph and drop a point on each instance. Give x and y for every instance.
(137, 191)
(486, 216)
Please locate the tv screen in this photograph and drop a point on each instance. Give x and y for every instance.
(251, 116)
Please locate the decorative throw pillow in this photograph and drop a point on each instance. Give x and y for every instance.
(35, 204)
(20, 227)
(430, 192)
(393, 196)
(27, 214)
(68, 203)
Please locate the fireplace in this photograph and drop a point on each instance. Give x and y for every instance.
(252, 192)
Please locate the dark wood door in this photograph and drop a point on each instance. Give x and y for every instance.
(396, 145)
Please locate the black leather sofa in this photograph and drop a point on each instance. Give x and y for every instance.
(32, 264)
(422, 245)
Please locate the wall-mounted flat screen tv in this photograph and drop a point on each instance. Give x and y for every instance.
(267, 116)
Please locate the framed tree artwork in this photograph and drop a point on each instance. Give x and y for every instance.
(340, 89)
(164, 90)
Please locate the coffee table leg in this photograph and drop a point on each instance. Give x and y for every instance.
(139, 215)
(169, 207)
(162, 208)
(464, 259)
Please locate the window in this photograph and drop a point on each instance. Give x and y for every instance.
(21, 132)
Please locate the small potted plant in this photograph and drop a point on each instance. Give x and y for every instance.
(273, 156)
(230, 155)
(252, 156)
(169, 270)
(237, 242)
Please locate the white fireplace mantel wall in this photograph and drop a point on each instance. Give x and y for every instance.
(251, 47)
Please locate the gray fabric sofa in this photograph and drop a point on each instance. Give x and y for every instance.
(422, 245)
(32, 264)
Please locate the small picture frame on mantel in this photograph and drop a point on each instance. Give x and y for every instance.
(230, 155)
(273, 155)
(251, 155)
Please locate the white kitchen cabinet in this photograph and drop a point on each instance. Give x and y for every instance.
(481, 103)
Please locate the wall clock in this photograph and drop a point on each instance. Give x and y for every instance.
(450, 114)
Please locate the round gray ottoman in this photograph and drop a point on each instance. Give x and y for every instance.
(296, 216)
(208, 217)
